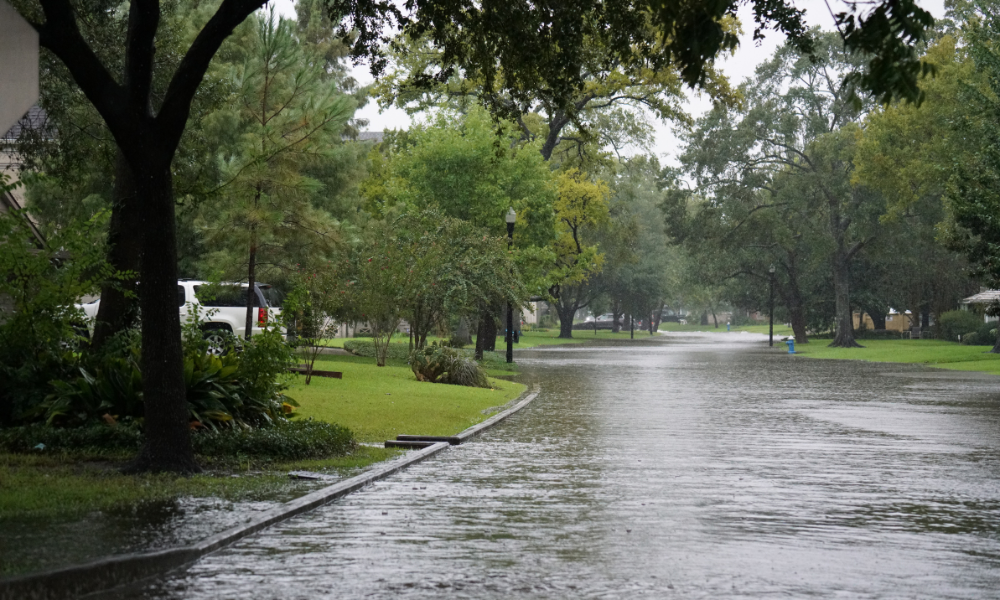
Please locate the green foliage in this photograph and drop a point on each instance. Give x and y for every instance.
(124, 438)
(285, 441)
(241, 388)
(367, 349)
(441, 364)
(284, 117)
(39, 325)
(454, 269)
(313, 310)
(536, 50)
(458, 165)
(956, 323)
(263, 376)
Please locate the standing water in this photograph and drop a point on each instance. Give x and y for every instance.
(687, 467)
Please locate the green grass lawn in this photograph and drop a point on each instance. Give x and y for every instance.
(379, 403)
(935, 353)
(779, 329)
(64, 486)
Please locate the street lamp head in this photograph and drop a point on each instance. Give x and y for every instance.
(511, 216)
(771, 270)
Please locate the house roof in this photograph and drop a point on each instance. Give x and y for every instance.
(984, 297)
(35, 118)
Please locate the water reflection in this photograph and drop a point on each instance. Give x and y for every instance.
(690, 467)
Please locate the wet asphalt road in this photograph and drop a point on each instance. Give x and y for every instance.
(687, 467)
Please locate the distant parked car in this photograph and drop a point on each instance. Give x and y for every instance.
(222, 307)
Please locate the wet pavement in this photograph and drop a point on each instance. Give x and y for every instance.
(688, 467)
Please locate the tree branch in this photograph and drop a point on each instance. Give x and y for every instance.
(61, 35)
(177, 101)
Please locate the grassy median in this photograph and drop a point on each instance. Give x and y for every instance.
(933, 353)
(379, 403)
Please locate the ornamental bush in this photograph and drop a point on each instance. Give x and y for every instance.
(956, 323)
(440, 364)
(242, 387)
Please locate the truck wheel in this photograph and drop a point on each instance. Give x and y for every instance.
(220, 338)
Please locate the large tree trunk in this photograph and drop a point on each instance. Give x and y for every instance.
(798, 318)
(878, 319)
(117, 311)
(996, 344)
(489, 327)
(844, 337)
(616, 312)
(657, 318)
(167, 445)
(566, 313)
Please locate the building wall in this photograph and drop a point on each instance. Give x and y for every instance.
(896, 322)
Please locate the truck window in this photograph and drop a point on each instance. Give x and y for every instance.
(224, 296)
(180, 295)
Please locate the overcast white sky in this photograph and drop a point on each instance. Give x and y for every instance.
(737, 67)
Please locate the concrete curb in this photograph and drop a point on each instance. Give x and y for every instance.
(107, 573)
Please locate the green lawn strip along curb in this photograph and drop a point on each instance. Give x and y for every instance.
(379, 403)
(102, 575)
(475, 429)
(939, 354)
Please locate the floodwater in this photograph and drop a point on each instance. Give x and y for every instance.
(687, 467)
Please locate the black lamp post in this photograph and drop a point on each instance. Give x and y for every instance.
(510, 218)
(770, 280)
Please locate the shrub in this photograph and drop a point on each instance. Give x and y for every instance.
(285, 441)
(440, 364)
(455, 342)
(124, 437)
(958, 322)
(242, 387)
(367, 348)
(987, 333)
(39, 325)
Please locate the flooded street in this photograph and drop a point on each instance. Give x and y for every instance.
(686, 467)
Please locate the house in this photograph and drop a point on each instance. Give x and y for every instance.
(894, 321)
(981, 301)
(10, 166)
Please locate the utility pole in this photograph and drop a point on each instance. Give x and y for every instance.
(770, 280)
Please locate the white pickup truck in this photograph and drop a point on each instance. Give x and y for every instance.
(223, 307)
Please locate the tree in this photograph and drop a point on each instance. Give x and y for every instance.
(972, 187)
(470, 172)
(785, 163)
(314, 309)
(581, 208)
(518, 48)
(288, 116)
(908, 154)
(606, 110)
(455, 268)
